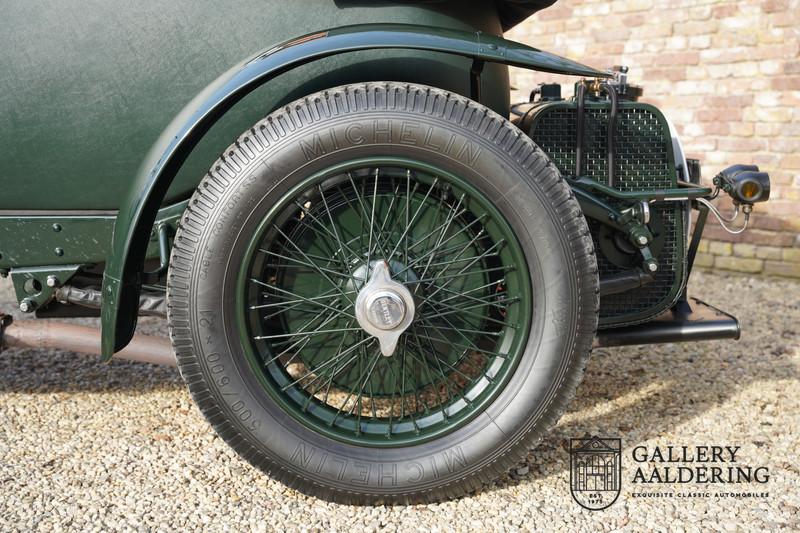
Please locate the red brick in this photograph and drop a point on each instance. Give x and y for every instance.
(632, 21)
(670, 73)
(784, 144)
(774, 6)
(610, 35)
(719, 114)
(791, 67)
(717, 128)
(697, 27)
(791, 162)
(767, 161)
(781, 177)
(787, 83)
(761, 220)
(740, 144)
(782, 269)
(787, 50)
(739, 100)
(755, 236)
(785, 208)
(785, 19)
(720, 12)
(555, 13)
(679, 58)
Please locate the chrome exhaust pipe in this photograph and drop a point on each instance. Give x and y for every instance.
(47, 335)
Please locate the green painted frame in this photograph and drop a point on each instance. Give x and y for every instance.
(38, 245)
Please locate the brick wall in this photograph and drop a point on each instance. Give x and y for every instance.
(728, 75)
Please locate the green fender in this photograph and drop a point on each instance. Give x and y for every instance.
(122, 277)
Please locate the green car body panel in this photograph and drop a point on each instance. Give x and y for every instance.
(89, 87)
(101, 106)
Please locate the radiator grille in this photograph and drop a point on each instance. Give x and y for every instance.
(642, 163)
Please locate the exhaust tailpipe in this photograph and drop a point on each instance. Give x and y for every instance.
(47, 335)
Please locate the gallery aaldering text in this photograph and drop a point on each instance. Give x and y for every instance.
(698, 464)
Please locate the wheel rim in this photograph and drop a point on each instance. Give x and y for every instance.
(321, 245)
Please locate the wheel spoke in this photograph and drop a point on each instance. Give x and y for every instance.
(465, 311)
(328, 363)
(448, 221)
(335, 231)
(301, 298)
(422, 204)
(321, 273)
(312, 266)
(295, 334)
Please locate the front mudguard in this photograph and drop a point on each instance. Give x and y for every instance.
(122, 277)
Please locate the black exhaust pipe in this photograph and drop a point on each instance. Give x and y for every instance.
(688, 321)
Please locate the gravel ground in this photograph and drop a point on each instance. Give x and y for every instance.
(87, 446)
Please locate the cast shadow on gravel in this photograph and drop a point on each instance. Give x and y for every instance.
(45, 372)
(645, 391)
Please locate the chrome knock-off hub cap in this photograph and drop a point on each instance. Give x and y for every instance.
(384, 308)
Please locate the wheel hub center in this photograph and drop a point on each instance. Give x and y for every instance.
(384, 308)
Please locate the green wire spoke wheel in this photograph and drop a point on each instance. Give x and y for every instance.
(464, 275)
(382, 293)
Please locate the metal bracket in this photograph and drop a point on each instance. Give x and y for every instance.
(36, 286)
(163, 232)
(625, 221)
(656, 195)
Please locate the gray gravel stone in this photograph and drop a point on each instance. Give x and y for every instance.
(86, 446)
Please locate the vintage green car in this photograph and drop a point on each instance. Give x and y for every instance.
(382, 281)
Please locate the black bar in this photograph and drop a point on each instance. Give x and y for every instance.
(624, 281)
(475, 79)
(688, 321)
(702, 215)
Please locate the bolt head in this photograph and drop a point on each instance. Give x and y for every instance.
(652, 267)
(26, 306)
(642, 239)
(52, 281)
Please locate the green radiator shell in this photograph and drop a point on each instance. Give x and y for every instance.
(644, 161)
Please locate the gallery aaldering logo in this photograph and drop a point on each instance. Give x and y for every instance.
(595, 471)
(706, 471)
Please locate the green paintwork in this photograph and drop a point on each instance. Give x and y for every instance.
(28, 240)
(54, 239)
(417, 212)
(88, 87)
(122, 275)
